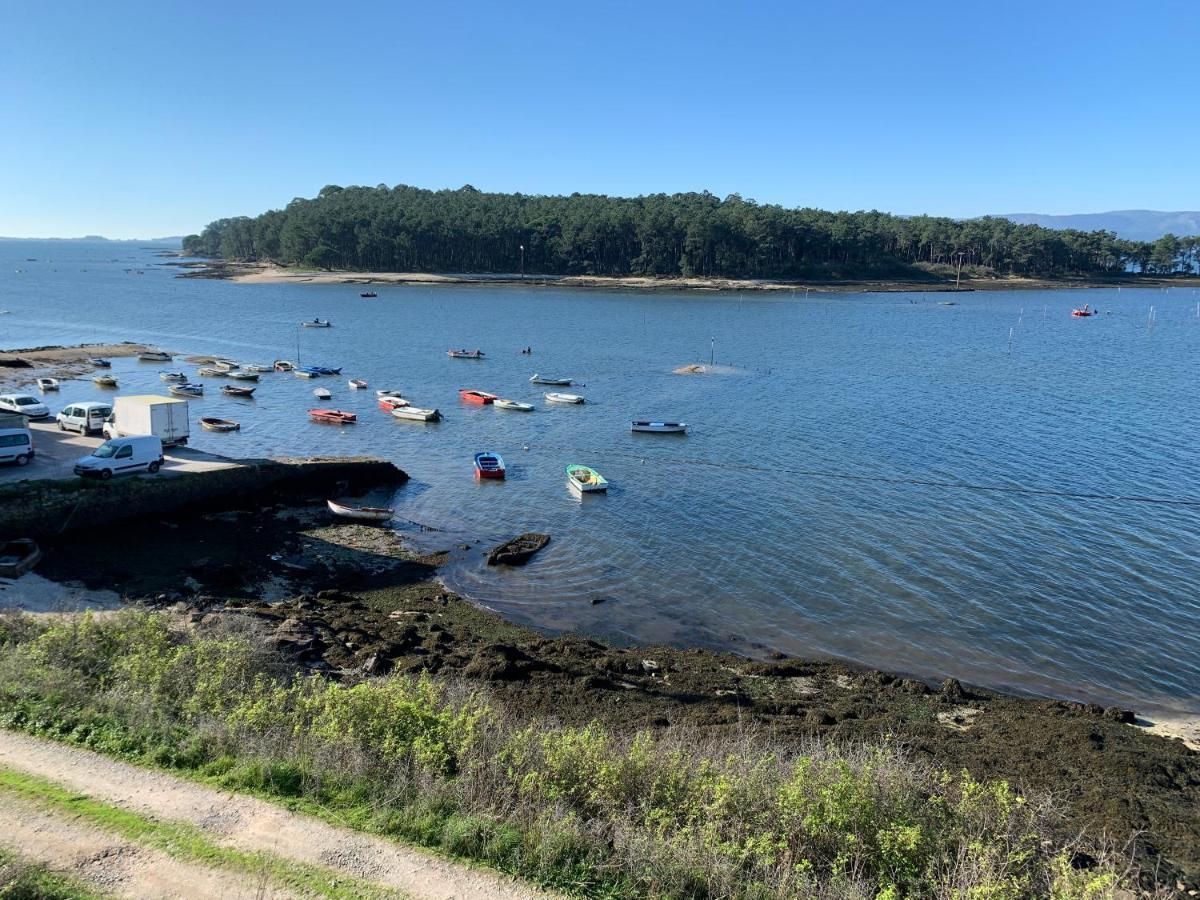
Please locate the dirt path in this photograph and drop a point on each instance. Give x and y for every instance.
(112, 865)
(250, 824)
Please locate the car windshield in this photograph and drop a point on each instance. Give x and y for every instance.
(26, 401)
(105, 451)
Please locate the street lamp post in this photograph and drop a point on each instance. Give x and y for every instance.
(522, 262)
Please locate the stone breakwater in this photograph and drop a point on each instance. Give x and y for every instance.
(47, 509)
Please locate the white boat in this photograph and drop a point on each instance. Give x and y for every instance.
(305, 373)
(242, 375)
(501, 403)
(154, 356)
(415, 413)
(365, 513)
(586, 480)
(389, 403)
(386, 392)
(322, 394)
(47, 384)
(659, 427)
(553, 397)
(257, 367)
(186, 390)
(283, 365)
(105, 380)
(317, 323)
(211, 372)
(546, 379)
(357, 384)
(173, 376)
(225, 365)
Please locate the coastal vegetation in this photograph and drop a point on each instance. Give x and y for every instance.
(408, 229)
(587, 809)
(24, 880)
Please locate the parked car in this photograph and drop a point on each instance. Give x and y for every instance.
(122, 456)
(16, 445)
(84, 417)
(24, 404)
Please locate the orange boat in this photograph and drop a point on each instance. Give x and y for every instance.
(480, 397)
(332, 416)
(387, 404)
(1084, 312)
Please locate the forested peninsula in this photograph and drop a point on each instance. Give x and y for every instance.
(694, 235)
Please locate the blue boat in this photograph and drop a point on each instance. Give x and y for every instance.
(307, 372)
(322, 370)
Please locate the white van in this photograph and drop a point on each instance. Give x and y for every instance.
(84, 417)
(16, 445)
(25, 405)
(121, 456)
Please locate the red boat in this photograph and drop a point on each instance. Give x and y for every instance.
(1084, 312)
(480, 397)
(387, 404)
(489, 465)
(332, 416)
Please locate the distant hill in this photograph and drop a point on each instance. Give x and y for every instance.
(98, 238)
(1131, 224)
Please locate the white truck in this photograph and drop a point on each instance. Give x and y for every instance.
(164, 417)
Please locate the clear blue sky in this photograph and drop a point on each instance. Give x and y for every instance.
(140, 119)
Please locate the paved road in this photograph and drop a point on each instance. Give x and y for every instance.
(56, 453)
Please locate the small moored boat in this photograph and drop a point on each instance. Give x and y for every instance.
(47, 384)
(368, 294)
(1083, 312)
(387, 392)
(99, 363)
(553, 397)
(209, 423)
(489, 465)
(154, 356)
(18, 557)
(173, 376)
(257, 367)
(283, 365)
(187, 390)
(317, 323)
(211, 372)
(325, 370)
(357, 384)
(516, 552)
(659, 427)
(387, 404)
(586, 479)
(465, 354)
(225, 365)
(306, 372)
(322, 394)
(546, 379)
(365, 513)
(481, 398)
(243, 375)
(332, 416)
(416, 414)
(501, 403)
(105, 380)
(230, 391)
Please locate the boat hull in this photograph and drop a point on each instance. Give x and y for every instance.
(332, 416)
(18, 557)
(480, 398)
(489, 465)
(512, 404)
(569, 399)
(586, 480)
(416, 414)
(659, 427)
(360, 513)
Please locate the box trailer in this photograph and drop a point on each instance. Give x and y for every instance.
(164, 417)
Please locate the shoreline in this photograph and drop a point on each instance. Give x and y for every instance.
(265, 273)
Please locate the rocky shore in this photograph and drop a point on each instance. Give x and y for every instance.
(351, 601)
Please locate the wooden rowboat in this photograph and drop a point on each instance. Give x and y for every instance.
(105, 380)
(211, 372)
(364, 513)
(501, 403)
(230, 391)
(546, 379)
(18, 557)
(99, 363)
(517, 551)
(481, 398)
(586, 480)
(489, 465)
(465, 354)
(242, 375)
(357, 384)
(186, 390)
(659, 427)
(322, 394)
(416, 414)
(387, 392)
(209, 423)
(283, 365)
(47, 384)
(178, 377)
(553, 397)
(387, 404)
(154, 356)
(317, 323)
(332, 416)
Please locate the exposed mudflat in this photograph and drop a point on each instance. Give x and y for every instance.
(349, 599)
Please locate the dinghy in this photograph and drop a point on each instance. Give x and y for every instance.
(660, 427)
(317, 323)
(47, 384)
(563, 398)
(489, 465)
(18, 557)
(99, 363)
(416, 414)
(332, 416)
(364, 513)
(517, 551)
(1083, 312)
(230, 391)
(322, 394)
(257, 367)
(306, 372)
(243, 375)
(211, 372)
(387, 404)
(173, 376)
(586, 480)
(225, 365)
(482, 398)
(325, 370)
(154, 356)
(546, 379)
(386, 392)
(105, 380)
(186, 390)
(465, 354)
(357, 384)
(208, 423)
(501, 403)
(368, 294)
(284, 365)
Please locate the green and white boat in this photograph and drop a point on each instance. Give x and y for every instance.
(585, 479)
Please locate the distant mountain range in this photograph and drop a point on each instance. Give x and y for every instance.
(1131, 224)
(95, 238)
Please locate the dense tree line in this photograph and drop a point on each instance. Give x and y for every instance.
(408, 229)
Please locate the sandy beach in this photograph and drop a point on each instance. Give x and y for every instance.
(267, 273)
(22, 367)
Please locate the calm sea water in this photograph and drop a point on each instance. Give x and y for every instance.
(874, 477)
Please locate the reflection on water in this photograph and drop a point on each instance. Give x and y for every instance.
(876, 477)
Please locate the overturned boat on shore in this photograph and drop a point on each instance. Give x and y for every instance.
(362, 513)
(18, 557)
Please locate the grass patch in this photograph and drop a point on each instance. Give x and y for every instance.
(24, 880)
(590, 811)
(186, 842)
